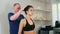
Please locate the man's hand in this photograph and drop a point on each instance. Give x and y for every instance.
(21, 10)
(16, 15)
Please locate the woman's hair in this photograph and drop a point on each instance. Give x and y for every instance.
(27, 8)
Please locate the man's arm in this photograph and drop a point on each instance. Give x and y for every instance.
(15, 16)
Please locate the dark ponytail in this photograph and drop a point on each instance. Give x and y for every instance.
(27, 8)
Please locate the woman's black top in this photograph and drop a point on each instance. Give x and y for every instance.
(29, 27)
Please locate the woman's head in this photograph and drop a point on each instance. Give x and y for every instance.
(29, 10)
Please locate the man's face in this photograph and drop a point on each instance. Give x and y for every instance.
(17, 8)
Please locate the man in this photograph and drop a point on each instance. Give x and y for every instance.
(14, 18)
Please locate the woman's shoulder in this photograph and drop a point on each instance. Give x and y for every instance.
(23, 20)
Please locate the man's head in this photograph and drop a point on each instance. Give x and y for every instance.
(16, 7)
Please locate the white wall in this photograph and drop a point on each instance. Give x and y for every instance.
(55, 11)
(59, 10)
(54, 14)
(0, 28)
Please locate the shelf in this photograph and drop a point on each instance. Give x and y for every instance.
(42, 10)
(39, 18)
(42, 20)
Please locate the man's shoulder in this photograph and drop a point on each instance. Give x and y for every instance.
(10, 13)
(21, 16)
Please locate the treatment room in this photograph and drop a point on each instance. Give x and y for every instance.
(29, 16)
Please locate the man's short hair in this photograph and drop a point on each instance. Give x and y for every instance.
(16, 4)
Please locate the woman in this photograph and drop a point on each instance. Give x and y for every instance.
(27, 23)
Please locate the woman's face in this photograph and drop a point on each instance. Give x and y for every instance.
(30, 11)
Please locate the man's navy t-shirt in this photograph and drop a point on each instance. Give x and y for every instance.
(14, 25)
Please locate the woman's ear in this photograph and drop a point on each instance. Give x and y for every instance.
(27, 12)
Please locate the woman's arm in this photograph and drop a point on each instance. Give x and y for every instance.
(34, 32)
(21, 26)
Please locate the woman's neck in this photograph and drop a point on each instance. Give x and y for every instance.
(28, 17)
